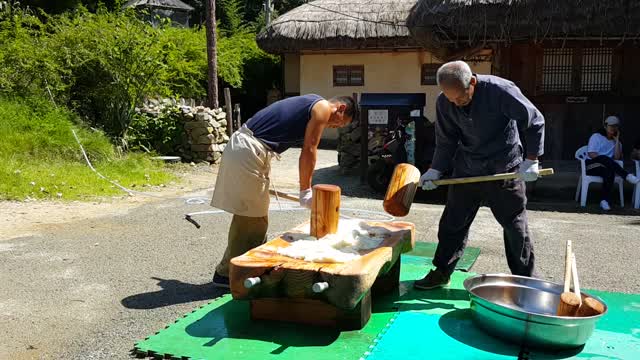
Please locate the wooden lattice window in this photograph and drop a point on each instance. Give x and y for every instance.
(348, 75)
(557, 70)
(597, 69)
(428, 74)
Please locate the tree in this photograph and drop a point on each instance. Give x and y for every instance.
(212, 56)
(286, 5)
(232, 18)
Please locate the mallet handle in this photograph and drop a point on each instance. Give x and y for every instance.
(284, 195)
(567, 267)
(496, 177)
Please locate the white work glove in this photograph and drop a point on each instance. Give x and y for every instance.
(426, 180)
(305, 198)
(529, 170)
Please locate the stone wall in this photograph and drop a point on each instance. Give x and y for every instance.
(206, 132)
(205, 129)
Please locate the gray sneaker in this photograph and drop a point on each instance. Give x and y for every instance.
(434, 279)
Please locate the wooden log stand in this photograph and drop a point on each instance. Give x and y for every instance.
(312, 312)
(337, 295)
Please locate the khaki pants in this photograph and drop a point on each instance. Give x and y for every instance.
(245, 233)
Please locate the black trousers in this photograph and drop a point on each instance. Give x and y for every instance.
(607, 169)
(507, 201)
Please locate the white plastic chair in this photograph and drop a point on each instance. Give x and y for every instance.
(636, 189)
(585, 180)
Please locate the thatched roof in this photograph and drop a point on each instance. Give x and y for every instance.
(163, 4)
(448, 28)
(336, 24)
(453, 25)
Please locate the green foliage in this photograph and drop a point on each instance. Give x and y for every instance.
(283, 6)
(110, 76)
(233, 15)
(39, 157)
(104, 80)
(185, 71)
(33, 128)
(59, 6)
(60, 58)
(26, 65)
(163, 132)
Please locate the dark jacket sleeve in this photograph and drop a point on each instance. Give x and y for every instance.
(447, 137)
(530, 121)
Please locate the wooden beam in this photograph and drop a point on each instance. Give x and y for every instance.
(229, 111)
(238, 116)
(364, 146)
(212, 56)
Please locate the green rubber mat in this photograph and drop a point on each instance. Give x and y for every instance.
(443, 317)
(617, 334)
(427, 250)
(406, 324)
(419, 335)
(222, 329)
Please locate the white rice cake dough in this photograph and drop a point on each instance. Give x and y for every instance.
(352, 237)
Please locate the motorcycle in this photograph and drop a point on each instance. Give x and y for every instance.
(391, 150)
(386, 154)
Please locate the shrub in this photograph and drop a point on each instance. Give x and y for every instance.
(40, 158)
(162, 132)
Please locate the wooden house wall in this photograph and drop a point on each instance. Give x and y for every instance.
(569, 125)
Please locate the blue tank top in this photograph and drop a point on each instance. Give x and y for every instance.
(282, 124)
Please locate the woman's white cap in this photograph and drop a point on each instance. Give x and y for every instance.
(612, 120)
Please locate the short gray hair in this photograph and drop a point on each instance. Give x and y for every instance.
(454, 73)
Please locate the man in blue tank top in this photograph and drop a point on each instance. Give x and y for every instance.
(242, 185)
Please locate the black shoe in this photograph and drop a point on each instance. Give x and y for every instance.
(220, 281)
(434, 279)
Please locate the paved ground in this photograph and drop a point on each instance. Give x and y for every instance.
(88, 288)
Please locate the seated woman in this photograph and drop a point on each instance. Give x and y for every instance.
(605, 147)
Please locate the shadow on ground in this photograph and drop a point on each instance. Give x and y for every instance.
(173, 292)
(231, 321)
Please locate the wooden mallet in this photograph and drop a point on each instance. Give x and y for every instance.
(588, 305)
(404, 183)
(576, 282)
(569, 302)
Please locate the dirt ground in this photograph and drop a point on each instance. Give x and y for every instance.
(18, 219)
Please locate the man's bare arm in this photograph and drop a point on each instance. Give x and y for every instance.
(320, 115)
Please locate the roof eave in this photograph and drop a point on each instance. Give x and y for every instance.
(283, 45)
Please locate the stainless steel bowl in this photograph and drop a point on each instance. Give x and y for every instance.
(522, 310)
